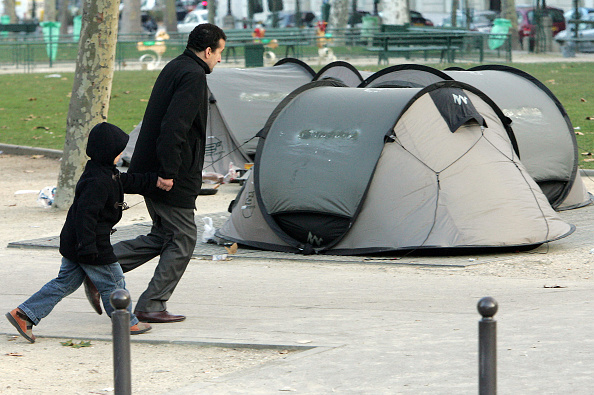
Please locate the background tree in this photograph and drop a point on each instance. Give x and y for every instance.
(64, 16)
(339, 14)
(49, 10)
(10, 10)
(170, 16)
(508, 11)
(395, 12)
(131, 21)
(89, 103)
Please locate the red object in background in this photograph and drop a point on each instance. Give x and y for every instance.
(259, 32)
(321, 26)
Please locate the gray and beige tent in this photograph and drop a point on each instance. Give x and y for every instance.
(545, 136)
(342, 71)
(241, 100)
(380, 170)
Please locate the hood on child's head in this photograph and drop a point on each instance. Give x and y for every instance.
(106, 141)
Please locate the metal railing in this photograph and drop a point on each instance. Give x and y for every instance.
(27, 52)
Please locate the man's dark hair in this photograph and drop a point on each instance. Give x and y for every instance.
(205, 35)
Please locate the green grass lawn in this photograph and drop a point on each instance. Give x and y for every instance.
(33, 108)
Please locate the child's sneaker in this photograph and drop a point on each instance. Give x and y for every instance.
(139, 328)
(22, 323)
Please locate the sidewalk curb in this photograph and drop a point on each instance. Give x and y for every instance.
(24, 150)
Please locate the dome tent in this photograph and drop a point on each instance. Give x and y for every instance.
(343, 72)
(546, 138)
(380, 170)
(545, 135)
(241, 100)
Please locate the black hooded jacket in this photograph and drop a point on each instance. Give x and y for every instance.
(173, 132)
(99, 198)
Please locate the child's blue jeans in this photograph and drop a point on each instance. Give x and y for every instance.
(107, 278)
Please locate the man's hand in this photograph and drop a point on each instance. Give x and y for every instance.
(164, 184)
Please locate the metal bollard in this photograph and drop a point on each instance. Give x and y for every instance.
(120, 320)
(487, 307)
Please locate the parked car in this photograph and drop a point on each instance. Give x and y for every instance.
(527, 20)
(417, 19)
(356, 19)
(287, 19)
(585, 30)
(584, 14)
(481, 21)
(183, 7)
(192, 20)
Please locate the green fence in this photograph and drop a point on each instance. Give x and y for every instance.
(28, 52)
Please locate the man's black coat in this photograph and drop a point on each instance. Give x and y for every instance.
(173, 132)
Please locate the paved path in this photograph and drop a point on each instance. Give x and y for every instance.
(363, 328)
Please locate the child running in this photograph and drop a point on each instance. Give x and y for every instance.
(85, 238)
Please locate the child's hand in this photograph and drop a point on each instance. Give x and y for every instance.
(164, 184)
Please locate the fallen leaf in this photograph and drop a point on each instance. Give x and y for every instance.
(551, 82)
(579, 133)
(32, 99)
(143, 100)
(233, 249)
(41, 127)
(37, 157)
(589, 160)
(590, 118)
(587, 153)
(583, 100)
(14, 354)
(127, 92)
(553, 286)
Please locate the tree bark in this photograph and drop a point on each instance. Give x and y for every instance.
(10, 10)
(63, 16)
(91, 91)
(395, 12)
(49, 11)
(170, 16)
(508, 11)
(339, 14)
(131, 23)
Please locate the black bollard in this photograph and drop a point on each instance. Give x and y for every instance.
(487, 307)
(120, 321)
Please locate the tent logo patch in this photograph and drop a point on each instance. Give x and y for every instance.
(214, 149)
(328, 135)
(458, 99)
(248, 208)
(314, 240)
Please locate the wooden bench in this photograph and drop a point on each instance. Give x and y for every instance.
(292, 39)
(19, 27)
(404, 44)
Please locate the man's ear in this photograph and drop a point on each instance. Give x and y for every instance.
(207, 52)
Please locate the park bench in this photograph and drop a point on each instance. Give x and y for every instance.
(387, 44)
(18, 27)
(292, 39)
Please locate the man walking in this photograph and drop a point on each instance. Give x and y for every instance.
(171, 143)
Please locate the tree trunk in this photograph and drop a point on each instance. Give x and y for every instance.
(508, 11)
(211, 11)
(339, 14)
(63, 16)
(89, 103)
(170, 16)
(131, 23)
(9, 9)
(49, 10)
(454, 13)
(395, 12)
